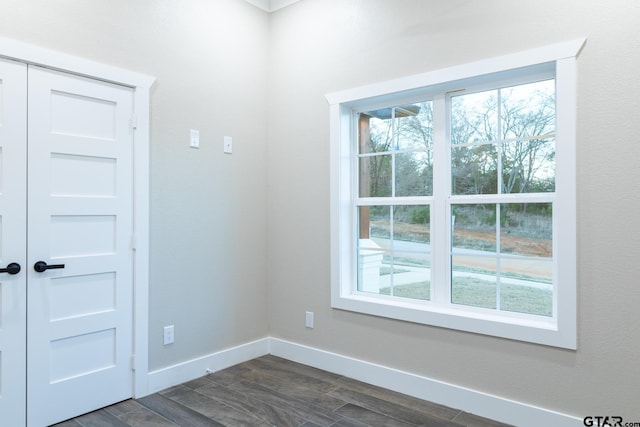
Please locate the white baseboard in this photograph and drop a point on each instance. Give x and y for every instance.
(196, 368)
(466, 399)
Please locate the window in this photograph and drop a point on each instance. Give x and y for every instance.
(453, 199)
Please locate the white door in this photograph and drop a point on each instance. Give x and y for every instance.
(13, 244)
(78, 267)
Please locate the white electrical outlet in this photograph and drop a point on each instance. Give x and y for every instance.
(308, 322)
(168, 335)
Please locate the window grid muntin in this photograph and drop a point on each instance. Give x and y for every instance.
(394, 150)
(505, 276)
(499, 142)
(393, 200)
(497, 198)
(393, 253)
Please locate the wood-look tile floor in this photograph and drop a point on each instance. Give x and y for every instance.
(270, 391)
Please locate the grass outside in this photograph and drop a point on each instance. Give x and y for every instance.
(482, 293)
(517, 298)
(469, 290)
(420, 290)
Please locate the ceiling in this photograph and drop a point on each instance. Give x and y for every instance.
(271, 5)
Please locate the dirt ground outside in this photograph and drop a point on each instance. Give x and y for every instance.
(536, 254)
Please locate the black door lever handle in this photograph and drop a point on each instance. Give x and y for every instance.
(13, 268)
(41, 266)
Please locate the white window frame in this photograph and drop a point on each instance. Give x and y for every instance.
(559, 330)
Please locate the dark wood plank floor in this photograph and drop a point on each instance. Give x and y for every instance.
(270, 391)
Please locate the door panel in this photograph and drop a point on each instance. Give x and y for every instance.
(13, 152)
(80, 216)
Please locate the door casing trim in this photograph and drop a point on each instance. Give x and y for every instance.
(141, 83)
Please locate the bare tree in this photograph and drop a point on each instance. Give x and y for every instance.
(502, 137)
(511, 130)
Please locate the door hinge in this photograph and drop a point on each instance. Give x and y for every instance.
(134, 122)
(134, 242)
(133, 362)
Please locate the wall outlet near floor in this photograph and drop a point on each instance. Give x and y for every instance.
(168, 335)
(308, 321)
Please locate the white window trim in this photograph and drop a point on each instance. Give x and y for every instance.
(559, 330)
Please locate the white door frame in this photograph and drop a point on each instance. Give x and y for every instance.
(30, 54)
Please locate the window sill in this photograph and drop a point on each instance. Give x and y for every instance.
(516, 326)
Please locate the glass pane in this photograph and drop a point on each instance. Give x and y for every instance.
(411, 252)
(375, 136)
(376, 131)
(526, 280)
(414, 174)
(528, 110)
(374, 233)
(523, 278)
(526, 229)
(474, 281)
(375, 176)
(474, 117)
(371, 270)
(526, 285)
(474, 169)
(414, 126)
(474, 229)
(379, 221)
(394, 255)
(411, 228)
(527, 271)
(411, 277)
(528, 166)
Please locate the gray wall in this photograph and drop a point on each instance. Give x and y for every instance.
(240, 243)
(354, 42)
(208, 210)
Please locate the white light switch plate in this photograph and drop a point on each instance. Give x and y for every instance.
(194, 140)
(228, 144)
